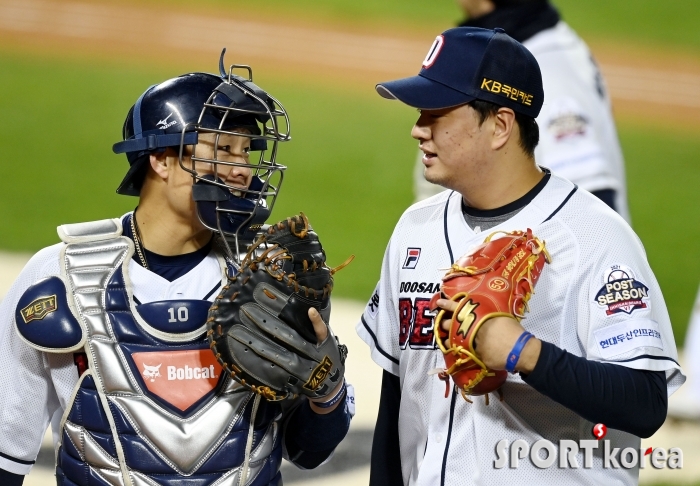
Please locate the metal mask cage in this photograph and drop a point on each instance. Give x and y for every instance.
(258, 199)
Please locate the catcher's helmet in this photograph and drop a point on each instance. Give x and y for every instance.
(174, 113)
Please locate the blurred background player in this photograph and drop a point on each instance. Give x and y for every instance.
(578, 139)
(687, 406)
(102, 335)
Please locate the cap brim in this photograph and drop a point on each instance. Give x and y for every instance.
(423, 93)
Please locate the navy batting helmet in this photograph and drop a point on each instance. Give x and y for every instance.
(173, 113)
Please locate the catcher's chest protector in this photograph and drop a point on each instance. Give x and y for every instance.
(153, 407)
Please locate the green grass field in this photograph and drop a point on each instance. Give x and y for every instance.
(345, 170)
(350, 168)
(663, 177)
(672, 24)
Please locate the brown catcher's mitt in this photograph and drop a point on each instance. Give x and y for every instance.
(259, 328)
(496, 279)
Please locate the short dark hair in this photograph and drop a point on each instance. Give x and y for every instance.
(529, 131)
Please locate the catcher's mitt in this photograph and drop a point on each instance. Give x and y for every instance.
(259, 327)
(495, 279)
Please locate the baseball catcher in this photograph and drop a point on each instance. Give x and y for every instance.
(259, 326)
(496, 279)
(118, 343)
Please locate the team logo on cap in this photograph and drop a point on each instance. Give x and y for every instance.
(433, 52)
(412, 256)
(621, 291)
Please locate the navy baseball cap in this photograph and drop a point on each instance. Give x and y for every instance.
(468, 63)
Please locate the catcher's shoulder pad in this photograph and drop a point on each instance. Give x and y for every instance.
(44, 319)
(90, 231)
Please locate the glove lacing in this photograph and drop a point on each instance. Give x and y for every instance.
(537, 246)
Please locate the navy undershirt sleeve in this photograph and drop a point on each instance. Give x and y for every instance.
(385, 466)
(9, 479)
(310, 438)
(607, 196)
(622, 398)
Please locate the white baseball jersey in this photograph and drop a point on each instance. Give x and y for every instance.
(579, 305)
(36, 387)
(578, 139)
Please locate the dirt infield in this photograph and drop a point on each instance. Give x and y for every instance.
(638, 79)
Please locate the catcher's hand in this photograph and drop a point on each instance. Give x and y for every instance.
(259, 326)
(495, 280)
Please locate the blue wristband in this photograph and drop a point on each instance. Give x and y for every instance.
(338, 396)
(514, 354)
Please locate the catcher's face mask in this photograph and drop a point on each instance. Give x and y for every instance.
(233, 206)
(221, 109)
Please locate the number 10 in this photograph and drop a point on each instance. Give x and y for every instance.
(182, 314)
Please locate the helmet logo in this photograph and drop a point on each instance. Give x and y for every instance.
(163, 124)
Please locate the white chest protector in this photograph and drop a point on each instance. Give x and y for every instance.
(152, 408)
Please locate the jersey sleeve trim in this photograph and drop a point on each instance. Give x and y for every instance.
(562, 204)
(674, 373)
(644, 356)
(14, 459)
(376, 342)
